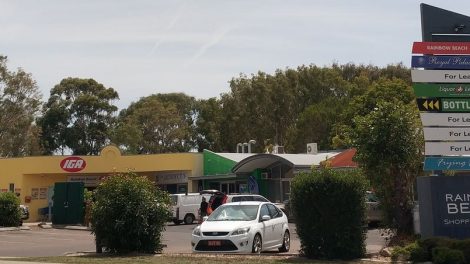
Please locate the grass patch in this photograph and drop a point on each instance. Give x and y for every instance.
(181, 259)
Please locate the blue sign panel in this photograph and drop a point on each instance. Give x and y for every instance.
(447, 163)
(441, 62)
(444, 206)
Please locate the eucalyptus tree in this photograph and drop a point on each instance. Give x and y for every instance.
(78, 116)
(155, 124)
(20, 102)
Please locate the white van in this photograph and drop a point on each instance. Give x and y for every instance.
(185, 207)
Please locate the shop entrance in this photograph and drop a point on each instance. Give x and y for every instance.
(68, 203)
(228, 187)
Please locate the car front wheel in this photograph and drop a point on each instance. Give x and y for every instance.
(285, 242)
(189, 219)
(257, 244)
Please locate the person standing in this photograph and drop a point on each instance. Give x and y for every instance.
(203, 208)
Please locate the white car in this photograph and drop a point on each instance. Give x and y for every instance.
(243, 227)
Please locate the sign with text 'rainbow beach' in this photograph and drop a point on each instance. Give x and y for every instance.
(434, 48)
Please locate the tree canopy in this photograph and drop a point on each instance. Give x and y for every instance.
(20, 102)
(78, 116)
(156, 124)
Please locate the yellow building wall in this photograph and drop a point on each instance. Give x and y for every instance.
(29, 173)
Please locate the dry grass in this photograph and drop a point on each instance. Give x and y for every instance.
(183, 259)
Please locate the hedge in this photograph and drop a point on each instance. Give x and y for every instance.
(129, 214)
(329, 208)
(10, 214)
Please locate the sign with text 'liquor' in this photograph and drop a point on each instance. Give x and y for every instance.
(440, 76)
(447, 163)
(445, 119)
(447, 133)
(441, 62)
(445, 148)
(441, 48)
(441, 90)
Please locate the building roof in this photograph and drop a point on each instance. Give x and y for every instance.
(343, 159)
(237, 157)
(255, 161)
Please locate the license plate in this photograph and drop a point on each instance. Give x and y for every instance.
(214, 243)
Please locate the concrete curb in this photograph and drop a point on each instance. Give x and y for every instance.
(4, 229)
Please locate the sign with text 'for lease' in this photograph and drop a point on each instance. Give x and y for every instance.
(446, 148)
(447, 133)
(445, 119)
(440, 76)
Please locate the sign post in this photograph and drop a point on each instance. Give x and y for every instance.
(441, 82)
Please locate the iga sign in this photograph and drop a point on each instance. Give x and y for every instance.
(73, 164)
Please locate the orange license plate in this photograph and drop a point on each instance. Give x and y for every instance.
(214, 243)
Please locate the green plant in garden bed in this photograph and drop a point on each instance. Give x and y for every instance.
(329, 208)
(129, 214)
(10, 214)
(435, 249)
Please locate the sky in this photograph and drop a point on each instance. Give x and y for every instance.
(144, 47)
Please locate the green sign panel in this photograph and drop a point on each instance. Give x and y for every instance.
(455, 104)
(449, 105)
(441, 90)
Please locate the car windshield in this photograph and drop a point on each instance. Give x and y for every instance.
(234, 213)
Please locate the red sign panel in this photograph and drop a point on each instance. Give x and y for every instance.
(73, 164)
(441, 48)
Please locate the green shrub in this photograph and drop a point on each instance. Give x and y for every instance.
(429, 244)
(409, 252)
(444, 255)
(10, 214)
(129, 214)
(464, 246)
(329, 208)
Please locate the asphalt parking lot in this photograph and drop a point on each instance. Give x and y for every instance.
(38, 242)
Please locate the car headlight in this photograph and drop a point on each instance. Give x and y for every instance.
(241, 231)
(197, 231)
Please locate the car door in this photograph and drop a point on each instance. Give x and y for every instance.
(277, 219)
(267, 226)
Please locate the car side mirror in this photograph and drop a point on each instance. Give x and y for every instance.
(205, 218)
(265, 218)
